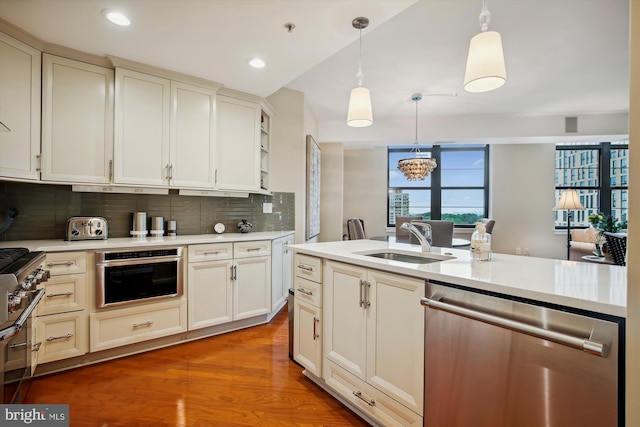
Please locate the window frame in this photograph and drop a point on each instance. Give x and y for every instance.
(436, 187)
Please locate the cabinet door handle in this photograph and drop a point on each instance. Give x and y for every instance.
(63, 337)
(36, 346)
(358, 394)
(60, 263)
(167, 177)
(139, 325)
(304, 267)
(38, 163)
(304, 291)
(315, 330)
(234, 272)
(170, 171)
(63, 294)
(110, 170)
(367, 301)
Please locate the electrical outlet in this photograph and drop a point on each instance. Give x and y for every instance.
(518, 251)
(267, 207)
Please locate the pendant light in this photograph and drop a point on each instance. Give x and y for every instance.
(485, 62)
(419, 167)
(360, 114)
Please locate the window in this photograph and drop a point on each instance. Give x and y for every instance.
(457, 190)
(599, 172)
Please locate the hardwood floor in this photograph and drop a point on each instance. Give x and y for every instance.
(242, 378)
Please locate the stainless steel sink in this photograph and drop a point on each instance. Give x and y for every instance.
(411, 258)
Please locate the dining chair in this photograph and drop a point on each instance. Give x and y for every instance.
(488, 224)
(403, 236)
(441, 233)
(355, 229)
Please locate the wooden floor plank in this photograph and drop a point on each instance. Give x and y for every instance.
(242, 378)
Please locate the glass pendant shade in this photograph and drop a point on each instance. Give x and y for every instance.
(421, 165)
(417, 168)
(485, 63)
(360, 113)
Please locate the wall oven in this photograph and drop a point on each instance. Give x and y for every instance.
(129, 277)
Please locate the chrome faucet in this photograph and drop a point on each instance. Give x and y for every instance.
(411, 228)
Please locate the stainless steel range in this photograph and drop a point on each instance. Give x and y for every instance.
(20, 273)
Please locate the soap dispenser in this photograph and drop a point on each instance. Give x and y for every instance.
(480, 244)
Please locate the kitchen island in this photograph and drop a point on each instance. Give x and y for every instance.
(360, 327)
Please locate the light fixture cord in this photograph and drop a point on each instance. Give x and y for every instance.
(485, 17)
(360, 74)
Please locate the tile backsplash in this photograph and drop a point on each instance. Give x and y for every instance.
(43, 210)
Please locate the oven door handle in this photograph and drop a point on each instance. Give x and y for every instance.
(137, 261)
(27, 311)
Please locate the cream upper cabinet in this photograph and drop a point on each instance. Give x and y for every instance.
(19, 109)
(238, 139)
(142, 120)
(192, 148)
(77, 121)
(383, 345)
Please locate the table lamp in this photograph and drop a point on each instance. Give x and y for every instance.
(569, 200)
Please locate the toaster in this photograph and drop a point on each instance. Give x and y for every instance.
(86, 228)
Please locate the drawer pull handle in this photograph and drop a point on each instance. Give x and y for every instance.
(63, 337)
(306, 292)
(254, 249)
(63, 294)
(60, 263)
(22, 344)
(36, 346)
(139, 325)
(358, 394)
(212, 252)
(304, 267)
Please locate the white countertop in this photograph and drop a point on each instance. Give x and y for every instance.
(586, 286)
(133, 242)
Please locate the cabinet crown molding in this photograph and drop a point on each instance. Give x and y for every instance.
(118, 62)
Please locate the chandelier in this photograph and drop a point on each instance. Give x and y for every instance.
(422, 164)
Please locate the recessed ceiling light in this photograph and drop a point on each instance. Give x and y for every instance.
(256, 63)
(116, 17)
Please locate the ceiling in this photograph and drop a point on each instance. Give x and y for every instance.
(563, 57)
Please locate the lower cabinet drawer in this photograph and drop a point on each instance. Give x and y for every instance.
(114, 328)
(64, 293)
(369, 400)
(308, 291)
(61, 336)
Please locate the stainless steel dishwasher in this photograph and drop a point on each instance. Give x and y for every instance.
(494, 361)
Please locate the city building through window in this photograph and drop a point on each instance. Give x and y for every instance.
(599, 172)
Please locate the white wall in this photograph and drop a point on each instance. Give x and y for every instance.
(331, 192)
(288, 150)
(522, 199)
(365, 189)
(293, 121)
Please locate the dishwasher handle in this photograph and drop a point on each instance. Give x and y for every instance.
(584, 344)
